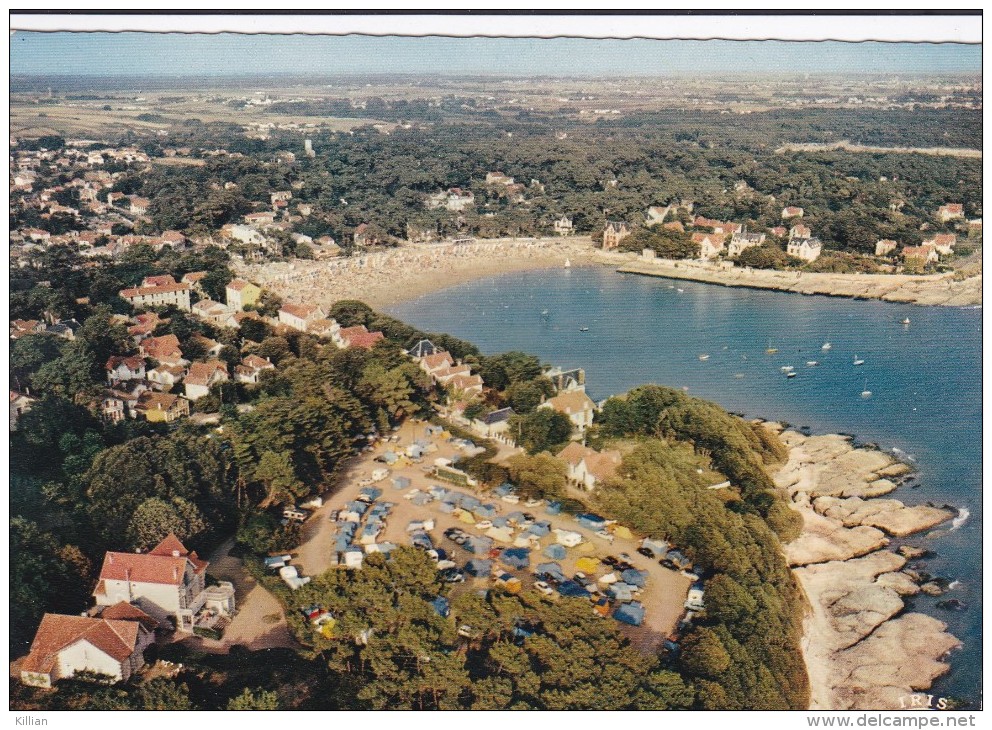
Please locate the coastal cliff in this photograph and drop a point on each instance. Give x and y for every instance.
(937, 289)
(862, 651)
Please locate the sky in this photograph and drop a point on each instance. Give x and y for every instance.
(111, 54)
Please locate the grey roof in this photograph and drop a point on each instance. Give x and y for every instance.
(499, 416)
(423, 348)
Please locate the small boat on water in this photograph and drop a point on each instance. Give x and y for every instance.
(568, 264)
(787, 368)
(866, 393)
(906, 321)
(811, 363)
(858, 360)
(826, 346)
(680, 291)
(544, 312)
(791, 374)
(704, 357)
(739, 376)
(583, 329)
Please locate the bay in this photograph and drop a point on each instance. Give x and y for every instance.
(925, 380)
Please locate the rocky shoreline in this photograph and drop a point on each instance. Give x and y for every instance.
(935, 289)
(863, 651)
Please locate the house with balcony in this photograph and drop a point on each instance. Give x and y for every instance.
(587, 467)
(575, 404)
(168, 583)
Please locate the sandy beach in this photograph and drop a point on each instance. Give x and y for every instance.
(863, 651)
(935, 289)
(388, 276)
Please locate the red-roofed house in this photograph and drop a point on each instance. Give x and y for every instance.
(710, 244)
(299, 316)
(159, 280)
(357, 337)
(950, 212)
(791, 212)
(164, 349)
(125, 368)
(586, 466)
(250, 369)
(438, 361)
(920, 255)
(202, 375)
(885, 246)
(158, 296)
(65, 645)
(943, 242)
(167, 583)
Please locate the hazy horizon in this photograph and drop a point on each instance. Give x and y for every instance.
(136, 54)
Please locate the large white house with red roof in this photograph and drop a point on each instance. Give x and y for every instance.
(168, 583)
(65, 645)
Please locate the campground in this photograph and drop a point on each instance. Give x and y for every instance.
(663, 594)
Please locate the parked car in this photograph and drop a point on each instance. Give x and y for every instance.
(466, 631)
(411, 494)
(443, 565)
(533, 503)
(645, 552)
(333, 516)
(604, 535)
(510, 499)
(544, 588)
(484, 525)
(611, 560)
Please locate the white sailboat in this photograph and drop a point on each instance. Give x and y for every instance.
(826, 346)
(568, 264)
(858, 360)
(866, 393)
(704, 358)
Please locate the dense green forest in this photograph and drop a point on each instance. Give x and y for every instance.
(368, 176)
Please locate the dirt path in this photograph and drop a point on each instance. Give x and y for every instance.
(260, 622)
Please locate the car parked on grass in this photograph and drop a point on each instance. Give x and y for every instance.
(452, 575)
(645, 552)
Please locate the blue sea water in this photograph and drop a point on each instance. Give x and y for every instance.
(925, 380)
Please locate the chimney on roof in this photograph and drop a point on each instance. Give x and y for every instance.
(175, 553)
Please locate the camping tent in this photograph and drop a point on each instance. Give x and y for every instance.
(389, 457)
(620, 591)
(550, 570)
(356, 506)
(401, 482)
(572, 589)
(553, 508)
(422, 540)
(501, 534)
(609, 578)
(593, 522)
(447, 507)
(567, 538)
(555, 552)
(635, 577)
(479, 568)
(504, 489)
(587, 564)
(478, 545)
(440, 605)
(371, 492)
(658, 547)
(421, 499)
(586, 548)
(525, 541)
(437, 491)
(630, 613)
(623, 532)
(516, 557)
(517, 517)
(485, 511)
(467, 517)
(540, 529)
(470, 503)
(500, 521)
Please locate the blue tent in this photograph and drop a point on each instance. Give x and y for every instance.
(446, 507)
(555, 552)
(478, 544)
(620, 591)
(415, 451)
(479, 568)
(572, 589)
(550, 570)
(553, 508)
(437, 491)
(540, 529)
(516, 557)
(470, 503)
(348, 528)
(386, 547)
(371, 492)
(504, 489)
(440, 605)
(389, 457)
(591, 521)
(630, 613)
(500, 522)
(432, 430)
(401, 482)
(342, 543)
(423, 498)
(485, 511)
(421, 539)
(356, 506)
(635, 577)
(370, 531)
(516, 516)
(679, 559)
